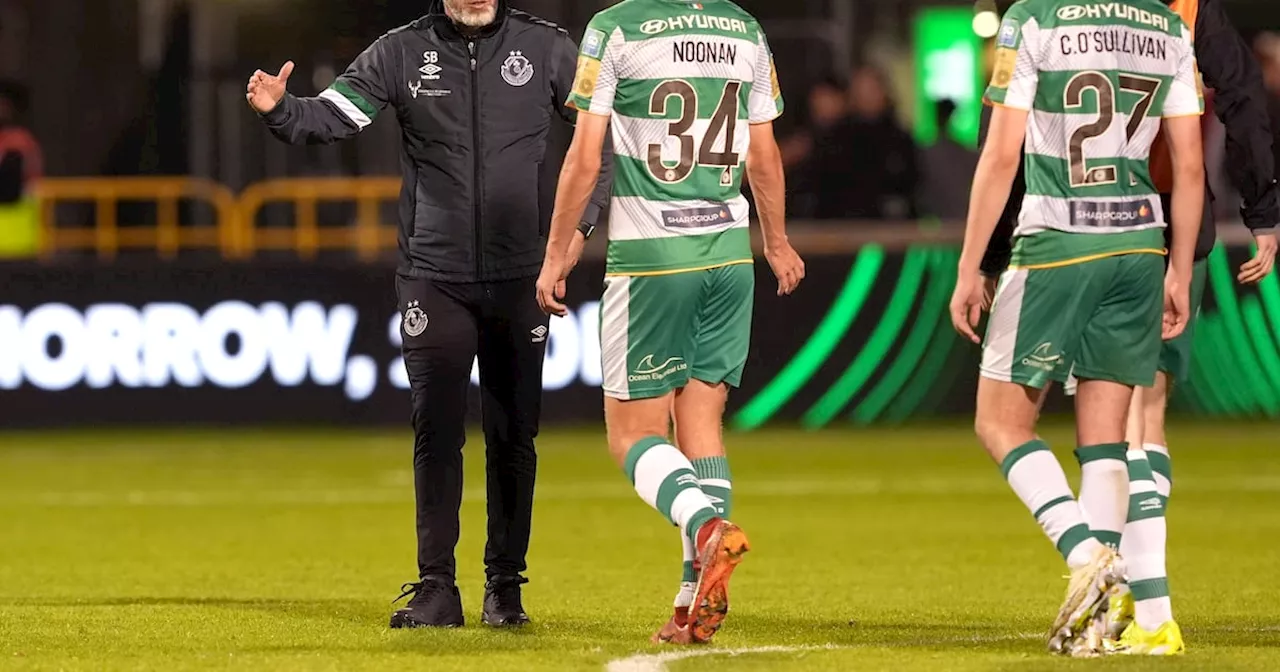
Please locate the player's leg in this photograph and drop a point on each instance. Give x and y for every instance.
(1144, 531)
(646, 343)
(1034, 328)
(439, 335)
(1119, 351)
(721, 344)
(698, 410)
(1144, 615)
(513, 335)
(1027, 335)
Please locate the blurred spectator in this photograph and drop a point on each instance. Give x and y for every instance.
(947, 171)
(827, 108)
(866, 167)
(20, 167)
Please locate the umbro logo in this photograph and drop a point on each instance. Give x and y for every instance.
(538, 334)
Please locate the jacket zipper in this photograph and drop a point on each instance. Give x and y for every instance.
(478, 185)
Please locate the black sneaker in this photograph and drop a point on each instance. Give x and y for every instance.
(436, 603)
(502, 607)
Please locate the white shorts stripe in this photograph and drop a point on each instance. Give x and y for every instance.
(615, 325)
(1002, 329)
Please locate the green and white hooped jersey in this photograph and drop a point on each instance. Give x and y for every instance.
(1096, 77)
(682, 80)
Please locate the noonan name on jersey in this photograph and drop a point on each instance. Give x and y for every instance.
(1096, 79)
(681, 82)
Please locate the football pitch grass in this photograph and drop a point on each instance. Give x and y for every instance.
(884, 549)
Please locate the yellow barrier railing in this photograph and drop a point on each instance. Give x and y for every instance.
(367, 237)
(108, 236)
(235, 232)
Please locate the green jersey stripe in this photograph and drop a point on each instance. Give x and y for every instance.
(1045, 178)
(682, 253)
(1131, 90)
(638, 97)
(633, 178)
(635, 138)
(1048, 248)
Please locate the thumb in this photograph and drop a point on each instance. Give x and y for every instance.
(285, 71)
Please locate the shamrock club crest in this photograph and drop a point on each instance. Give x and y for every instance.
(517, 70)
(414, 321)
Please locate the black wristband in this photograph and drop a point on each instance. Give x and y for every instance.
(586, 230)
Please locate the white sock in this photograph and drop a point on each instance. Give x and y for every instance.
(1143, 545)
(689, 579)
(664, 479)
(1038, 479)
(1104, 490)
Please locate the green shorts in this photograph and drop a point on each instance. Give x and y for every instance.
(659, 331)
(1098, 319)
(1175, 355)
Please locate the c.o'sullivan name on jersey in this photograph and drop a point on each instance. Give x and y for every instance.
(690, 51)
(1114, 40)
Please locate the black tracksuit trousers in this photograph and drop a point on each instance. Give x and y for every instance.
(444, 327)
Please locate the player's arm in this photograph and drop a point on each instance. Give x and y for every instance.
(1241, 104)
(578, 180)
(594, 86)
(768, 185)
(1183, 107)
(563, 66)
(992, 183)
(339, 112)
(1187, 150)
(1012, 93)
(765, 173)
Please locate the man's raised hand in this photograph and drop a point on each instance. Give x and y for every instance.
(266, 91)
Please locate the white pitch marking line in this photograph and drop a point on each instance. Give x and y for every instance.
(657, 662)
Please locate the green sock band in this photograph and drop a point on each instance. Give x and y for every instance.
(689, 576)
(697, 521)
(1145, 506)
(712, 467)
(637, 451)
(1020, 452)
(1140, 470)
(1107, 538)
(1150, 589)
(1160, 464)
(713, 474)
(1106, 451)
(1072, 538)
